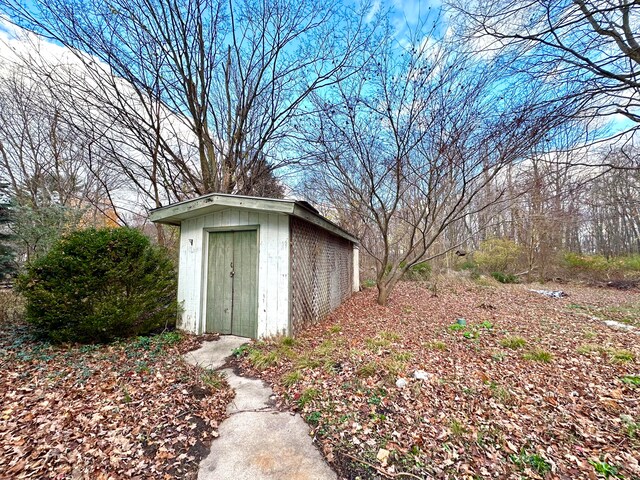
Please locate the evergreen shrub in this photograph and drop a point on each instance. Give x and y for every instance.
(96, 285)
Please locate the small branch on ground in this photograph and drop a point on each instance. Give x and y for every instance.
(379, 470)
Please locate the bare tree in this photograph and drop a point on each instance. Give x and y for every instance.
(56, 175)
(611, 211)
(409, 147)
(235, 75)
(586, 51)
(44, 159)
(561, 208)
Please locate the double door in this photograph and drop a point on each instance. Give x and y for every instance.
(232, 289)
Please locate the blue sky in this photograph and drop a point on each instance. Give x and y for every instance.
(405, 13)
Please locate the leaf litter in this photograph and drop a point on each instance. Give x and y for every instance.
(133, 409)
(530, 387)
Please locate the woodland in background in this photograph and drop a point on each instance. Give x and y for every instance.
(424, 137)
(565, 222)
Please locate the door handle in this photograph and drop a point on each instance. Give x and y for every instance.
(232, 273)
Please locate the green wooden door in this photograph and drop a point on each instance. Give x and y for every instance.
(232, 291)
(245, 284)
(220, 282)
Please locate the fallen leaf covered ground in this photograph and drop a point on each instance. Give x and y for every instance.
(530, 387)
(133, 409)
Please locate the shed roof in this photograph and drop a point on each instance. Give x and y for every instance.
(175, 213)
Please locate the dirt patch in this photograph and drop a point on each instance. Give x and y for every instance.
(239, 367)
(350, 469)
(201, 432)
(194, 342)
(199, 392)
(623, 284)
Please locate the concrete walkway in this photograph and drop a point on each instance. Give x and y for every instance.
(256, 441)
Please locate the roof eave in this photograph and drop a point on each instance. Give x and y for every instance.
(176, 213)
(305, 214)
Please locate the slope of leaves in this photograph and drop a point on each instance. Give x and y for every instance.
(528, 388)
(133, 409)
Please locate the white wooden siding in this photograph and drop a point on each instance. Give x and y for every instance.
(190, 274)
(356, 268)
(273, 267)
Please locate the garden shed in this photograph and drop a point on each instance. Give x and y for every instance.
(257, 267)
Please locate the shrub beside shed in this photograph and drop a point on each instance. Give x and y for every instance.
(257, 267)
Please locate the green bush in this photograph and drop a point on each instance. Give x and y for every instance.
(418, 272)
(98, 285)
(468, 264)
(505, 277)
(600, 267)
(631, 263)
(589, 263)
(498, 255)
(472, 267)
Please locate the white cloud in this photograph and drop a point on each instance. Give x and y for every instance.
(413, 10)
(373, 11)
(17, 43)
(88, 87)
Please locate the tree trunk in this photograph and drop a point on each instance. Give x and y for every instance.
(162, 241)
(386, 286)
(383, 294)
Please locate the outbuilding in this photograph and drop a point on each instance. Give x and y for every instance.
(258, 267)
